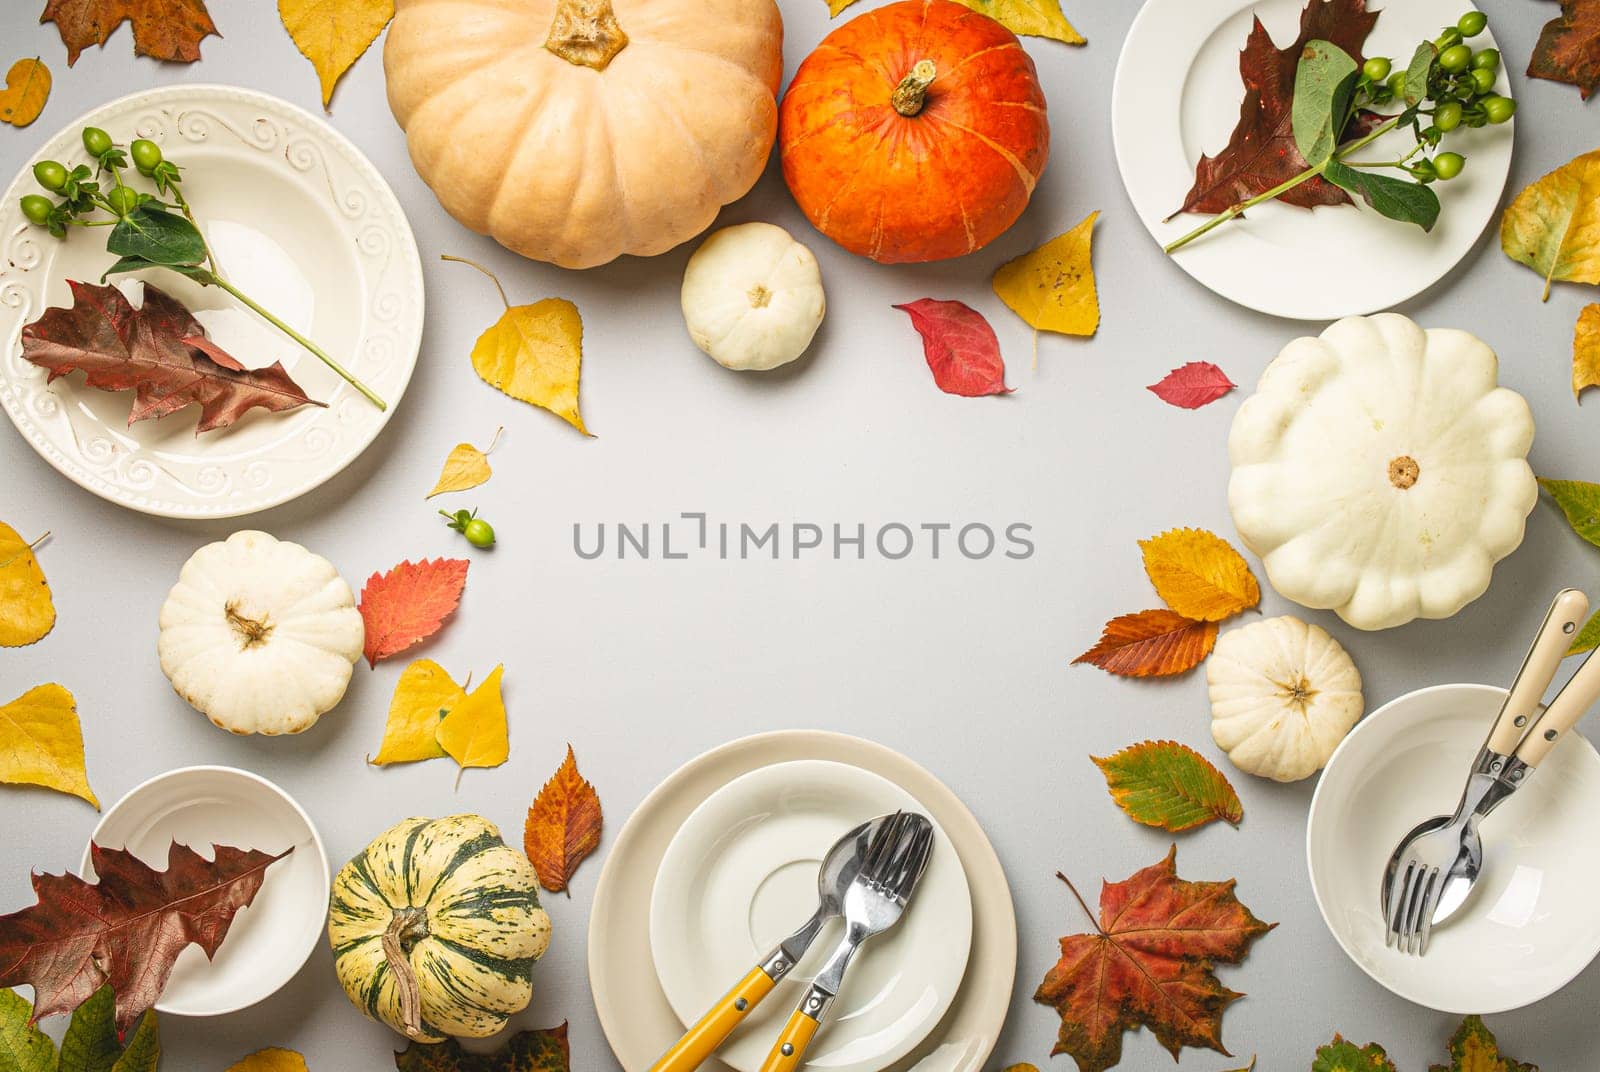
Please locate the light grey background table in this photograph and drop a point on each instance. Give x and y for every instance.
(644, 664)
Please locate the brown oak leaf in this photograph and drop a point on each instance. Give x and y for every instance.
(163, 29)
(1151, 643)
(1261, 152)
(563, 826)
(1568, 49)
(158, 351)
(409, 604)
(127, 927)
(1149, 963)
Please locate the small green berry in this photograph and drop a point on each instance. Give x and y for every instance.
(1455, 58)
(37, 208)
(1472, 23)
(1486, 60)
(1482, 79)
(123, 199)
(479, 533)
(1448, 165)
(96, 142)
(1376, 69)
(1447, 116)
(1449, 38)
(1499, 109)
(50, 174)
(146, 155)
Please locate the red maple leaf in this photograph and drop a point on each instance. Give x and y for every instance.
(1261, 152)
(127, 928)
(1193, 385)
(1569, 47)
(1149, 963)
(409, 603)
(158, 351)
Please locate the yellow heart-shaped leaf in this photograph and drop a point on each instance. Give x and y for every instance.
(474, 732)
(423, 696)
(41, 742)
(26, 610)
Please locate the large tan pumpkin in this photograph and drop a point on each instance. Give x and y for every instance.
(573, 131)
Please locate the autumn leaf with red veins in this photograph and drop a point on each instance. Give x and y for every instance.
(563, 826)
(409, 603)
(1151, 643)
(1261, 152)
(1569, 47)
(127, 927)
(1193, 385)
(1149, 963)
(960, 346)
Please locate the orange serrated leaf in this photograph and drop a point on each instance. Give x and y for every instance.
(1151, 643)
(1168, 785)
(563, 825)
(163, 29)
(409, 604)
(27, 88)
(1199, 574)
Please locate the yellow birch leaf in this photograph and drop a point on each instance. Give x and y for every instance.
(466, 467)
(1553, 225)
(836, 6)
(424, 694)
(1033, 18)
(534, 353)
(41, 742)
(27, 88)
(1052, 288)
(271, 1059)
(1586, 350)
(26, 611)
(1199, 574)
(333, 34)
(474, 732)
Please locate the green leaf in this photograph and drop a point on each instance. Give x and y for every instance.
(1580, 501)
(143, 1052)
(1324, 82)
(1169, 785)
(1342, 1056)
(1588, 637)
(23, 1047)
(1417, 71)
(90, 1044)
(198, 272)
(1473, 1049)
(158, 236)
(1398, 199)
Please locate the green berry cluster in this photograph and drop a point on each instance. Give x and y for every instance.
(477, 531)
(79, 192)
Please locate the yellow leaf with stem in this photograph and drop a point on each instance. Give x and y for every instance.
(474, 732)
(1553, 225)
(41, 742)
(465, 467)
(1052, 288)
(26, 611)
(1199, 574)
(271, 1059)
(1031, 18)
(424, 694)
(27, 88)
(1586, 350)
(534, 353)
(333, 34)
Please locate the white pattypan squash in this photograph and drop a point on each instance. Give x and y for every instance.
(1283, 695)
(1380, 472)
(260, 635)
(752, 297)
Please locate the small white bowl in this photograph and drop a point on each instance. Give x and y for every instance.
(269, 940)
(1529, 926)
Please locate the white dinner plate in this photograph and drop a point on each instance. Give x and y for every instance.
(300, 221)
(1176, 96)
(634, 1013)
(270, 939)
(741, 874)
(1529, 926)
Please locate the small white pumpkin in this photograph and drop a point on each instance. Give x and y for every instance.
(752, 297)
(1380, 472)
(1283, 695)
(260, 635)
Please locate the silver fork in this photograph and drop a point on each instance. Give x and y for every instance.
(873, 903)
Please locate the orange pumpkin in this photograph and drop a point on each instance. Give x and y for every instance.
(914, 132)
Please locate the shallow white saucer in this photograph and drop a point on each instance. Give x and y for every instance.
(1529, 926)
(270, 939)
(741, 874)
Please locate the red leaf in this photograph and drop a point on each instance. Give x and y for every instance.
(1193, 385)
(169, 30)
(127, 928)
(960, 347)
(1151, 643)
(1569, 47)
(159, 352)
(1261, 152)
(409, 603)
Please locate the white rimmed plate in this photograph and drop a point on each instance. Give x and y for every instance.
(1529, 926)
(634, 1013)
(1176, 96)
(271, 938)
(300, 221)
(741, 874)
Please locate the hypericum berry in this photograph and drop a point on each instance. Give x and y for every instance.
(1499, 109)
(50, 174)
(146, 155)
(1376, 69)
(96, 142)
(1448, 165)
(37, 208)
(1472, 23)
(479, 533)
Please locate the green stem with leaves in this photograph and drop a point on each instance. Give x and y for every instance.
(1282, 188)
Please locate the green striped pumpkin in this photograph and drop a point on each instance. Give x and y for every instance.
(435, 927)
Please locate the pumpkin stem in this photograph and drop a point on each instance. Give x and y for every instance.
(408, 927)
(1403, 471)
(586, 33)
(252, 631)
(912, 92)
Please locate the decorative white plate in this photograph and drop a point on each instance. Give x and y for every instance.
(634, 1013)
(270, 939)
(741, 874)
(1529, 926)
(300, 221)
(1176, 97)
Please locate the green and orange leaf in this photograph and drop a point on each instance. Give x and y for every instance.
(1168, 785)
